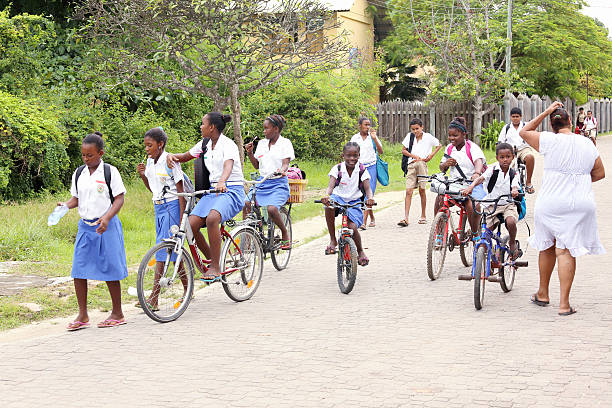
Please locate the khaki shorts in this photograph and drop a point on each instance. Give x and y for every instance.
(592, 133)
(508, 210)
(416, 169)
(521, 154)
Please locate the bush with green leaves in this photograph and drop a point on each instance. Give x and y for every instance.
(489, 135)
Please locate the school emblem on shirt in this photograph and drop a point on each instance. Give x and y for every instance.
(100, 188)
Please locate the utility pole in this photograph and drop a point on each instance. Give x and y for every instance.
(509, 37)
(587, 87)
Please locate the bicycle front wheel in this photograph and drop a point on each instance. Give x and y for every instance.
(436, 246)
(280, 257)
(506, 273)
(241, 264)
(347, 265)
(165, 287)
(466, 247)
(480, 276)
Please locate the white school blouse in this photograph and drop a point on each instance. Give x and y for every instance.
(94, 199)
(348, 189)
(158, 177)
(270, 157)
(224, 150)
(367, 154)
(502, 185)
(421, 148)
(463, 160)
(512, 136)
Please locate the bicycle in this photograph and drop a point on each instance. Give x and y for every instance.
(440, 238)
(165, 295)
(267, 231)
(347, 249)
(490, 253)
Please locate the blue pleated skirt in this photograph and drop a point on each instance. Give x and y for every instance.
(166, 215)
(355, 214)
(272, 192)
(228, 204)
(373, 177)
(99, 257)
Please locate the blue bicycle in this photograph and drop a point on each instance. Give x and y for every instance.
(491, 254)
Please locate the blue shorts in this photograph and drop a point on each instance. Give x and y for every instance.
(228, 204)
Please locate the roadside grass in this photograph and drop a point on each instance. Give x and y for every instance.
(47, 251)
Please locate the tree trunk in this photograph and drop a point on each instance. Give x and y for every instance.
(236, 121)
(478, 114)
(220, 104)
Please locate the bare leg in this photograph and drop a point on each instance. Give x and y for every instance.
(511, 226)
(330, 219)
(407, 203)
(357, 239)
(437, 204)
(529, 165)
(566, 265)
(274, 213)
(546, 264)
(114, 288)
(214, 236)
(423, 195)
(372, 219)
(473, 218)
(246, 209)
(196, 224)
(80, 288)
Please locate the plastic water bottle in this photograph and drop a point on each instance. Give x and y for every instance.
(57, 214)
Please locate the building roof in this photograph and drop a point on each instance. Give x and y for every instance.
(338, 5)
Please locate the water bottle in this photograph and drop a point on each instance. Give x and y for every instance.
(57, 214)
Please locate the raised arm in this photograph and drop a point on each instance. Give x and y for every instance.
(529, 133)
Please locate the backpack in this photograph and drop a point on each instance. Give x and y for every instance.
(295, 173)
(201, 179)
(468, 151)
(406, 158)
(107, 178)
(362, 169)
(520, 206)
(187, 184)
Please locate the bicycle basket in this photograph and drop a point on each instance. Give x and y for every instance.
(297, 189)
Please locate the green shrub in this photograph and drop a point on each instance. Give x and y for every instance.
(489, 135)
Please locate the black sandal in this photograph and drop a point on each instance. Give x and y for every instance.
(534, 299)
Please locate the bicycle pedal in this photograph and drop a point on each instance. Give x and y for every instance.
(210, 280)
(465, 277)
(495, 279)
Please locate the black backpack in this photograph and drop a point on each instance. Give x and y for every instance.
(406, 158)
(202, 175)
(107, 178)
(520, 205)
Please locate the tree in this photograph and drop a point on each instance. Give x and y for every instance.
(219, 48)
(462, 42)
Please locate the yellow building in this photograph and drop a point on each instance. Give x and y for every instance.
(358, 23)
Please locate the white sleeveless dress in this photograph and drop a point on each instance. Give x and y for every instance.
(565, 207)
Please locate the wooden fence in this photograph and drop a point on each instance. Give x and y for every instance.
(394, 116)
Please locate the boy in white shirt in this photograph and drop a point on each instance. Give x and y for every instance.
(499, 179)
(418, 147)
(590, 126)
(510, 134)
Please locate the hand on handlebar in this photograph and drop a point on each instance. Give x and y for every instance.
(370, 202)
(221, 187)
(515, 193)
(467, 191)
(325, 201)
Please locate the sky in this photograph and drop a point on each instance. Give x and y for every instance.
(602, 10)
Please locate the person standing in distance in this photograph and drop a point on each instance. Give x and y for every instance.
(510, 134)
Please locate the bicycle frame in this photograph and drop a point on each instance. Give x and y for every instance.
(486, 239)
(345, 232)
(447, 203)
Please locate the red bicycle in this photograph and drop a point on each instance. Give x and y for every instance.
(443, 234)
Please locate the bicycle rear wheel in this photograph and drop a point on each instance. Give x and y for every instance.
(280, 257)
(436, 246)
(480, 276)
(506, 273)
(347, 265)
(466, 247)
(163, 295)
(242, 256)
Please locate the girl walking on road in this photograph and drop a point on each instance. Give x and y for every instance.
(222, 160)
(369, 146)
(564, 214)
(273, 155)
(99, 254)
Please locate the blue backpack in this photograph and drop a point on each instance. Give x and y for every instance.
(187, 184)
(521, 206)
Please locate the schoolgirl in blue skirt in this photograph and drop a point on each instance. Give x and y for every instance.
(156, 175)
(99, 252)
(273, 155)
(222, 160)
(344, 187)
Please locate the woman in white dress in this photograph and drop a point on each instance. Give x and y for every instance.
(565, 220)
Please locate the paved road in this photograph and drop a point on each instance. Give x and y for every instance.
(397, 340)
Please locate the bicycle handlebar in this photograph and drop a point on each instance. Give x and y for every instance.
(444, 180)
(166, 190)
(269, 176)
(335, 204)
(495, 202)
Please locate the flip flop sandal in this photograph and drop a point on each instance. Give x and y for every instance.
(77, 325)
(285, 245)
(111, 323)
(149, 305)
(362, 227)
(530, 189)
(403, 223)
(372, 224)
(569, 312)
(364, 261)
(534, 299)
(422, 220)
(330, 250)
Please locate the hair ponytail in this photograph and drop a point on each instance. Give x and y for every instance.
(218, 120)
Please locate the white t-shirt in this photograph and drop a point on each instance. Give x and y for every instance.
(512, 137)
(502, 184)
(271, 158)
(463, 160)
(225, 149)
(367, 154)
(590, 123)
(348, 189)
(94, 199)
(421, 148)
(158, 177)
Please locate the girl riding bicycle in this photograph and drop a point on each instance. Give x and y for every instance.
(222, 160)
(349, 182)
(156, 175)
(273, 155)
(465, 160)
